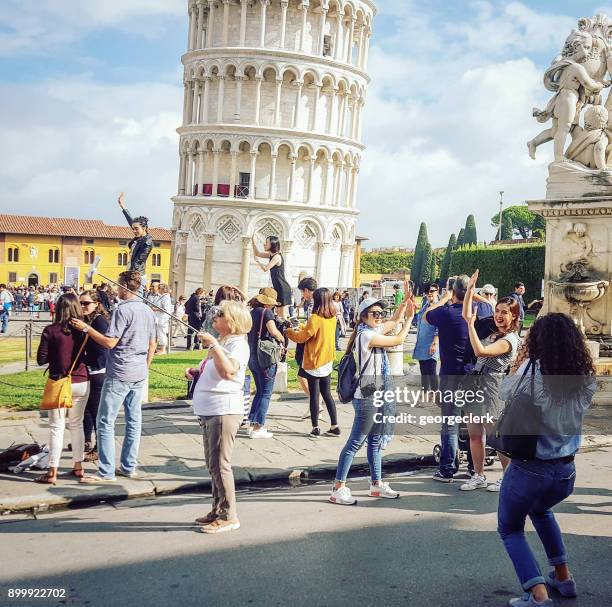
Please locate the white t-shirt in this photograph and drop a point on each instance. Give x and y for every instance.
(216, 396)
(374, 365)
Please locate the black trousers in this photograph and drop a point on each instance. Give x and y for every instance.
(429, 376)
(196, 323)
(93, 402)
(322, 386)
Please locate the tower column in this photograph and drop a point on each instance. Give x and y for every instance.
(339, 38)
(210, 32)
(328, 191)
(185, 103)
(245, 264)
(315, 111)
(244, 6)
(200, 29)
(201, 164)
(252, 183)
(322, 33)
(311, 169)
(292, 160)
(205, 101)
(225, 22)
(360, 49)
(366, 52)
(181, 179)
(338, 184)
(304, 9)
(238, 110)
(272, 190)
(191, 28)
(221, 98)
(262, 30)
(349, 44)
(189, 185)
(298, 104)
(233, 175)
(196, 95)
(283, 32)
(215, 179)
(258, 81)
(277, 105)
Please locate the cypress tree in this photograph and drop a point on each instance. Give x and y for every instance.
(419, 259)
(461, 238)
(445, 266)
(470, 235)
(427, 270)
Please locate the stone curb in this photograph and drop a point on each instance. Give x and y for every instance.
(123, 489)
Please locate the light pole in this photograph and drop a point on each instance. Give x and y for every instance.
(501, 204)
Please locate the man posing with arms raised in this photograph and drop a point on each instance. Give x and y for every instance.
(131, 344)
(140, 245)
(446, 315)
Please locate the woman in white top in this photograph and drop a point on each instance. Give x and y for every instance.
(218, 402)
(163, 301)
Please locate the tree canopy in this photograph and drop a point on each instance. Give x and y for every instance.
(525, 223)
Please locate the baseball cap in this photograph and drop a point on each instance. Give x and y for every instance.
(368, 302)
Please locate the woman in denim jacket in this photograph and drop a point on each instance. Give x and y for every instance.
(564, 385)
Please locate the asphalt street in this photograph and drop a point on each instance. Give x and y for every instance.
(434, 546)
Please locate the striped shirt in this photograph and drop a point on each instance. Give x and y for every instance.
(499, 364)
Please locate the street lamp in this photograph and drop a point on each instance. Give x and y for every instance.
(501, 204)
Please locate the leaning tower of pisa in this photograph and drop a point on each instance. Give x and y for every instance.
(271, 139)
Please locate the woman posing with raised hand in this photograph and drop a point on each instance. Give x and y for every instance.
(494, 355)
(276, 267)
(370, 337)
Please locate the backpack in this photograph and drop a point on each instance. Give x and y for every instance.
(16, 454)
(348, 379)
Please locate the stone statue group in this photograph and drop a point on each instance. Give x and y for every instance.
(577, 78)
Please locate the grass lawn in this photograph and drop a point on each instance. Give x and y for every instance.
(12, 349)
(166, 380)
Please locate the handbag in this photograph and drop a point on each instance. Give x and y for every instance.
(517, 430)
(58, 392)
(268, 351)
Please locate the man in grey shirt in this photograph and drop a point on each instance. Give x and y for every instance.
(131, 343)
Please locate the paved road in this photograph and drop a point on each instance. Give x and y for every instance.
(435, 546)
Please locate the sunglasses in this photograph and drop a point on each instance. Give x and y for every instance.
(217, 312)
(87, 303)
(376, 314)
(433, 291)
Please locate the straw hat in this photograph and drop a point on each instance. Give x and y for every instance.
(268, 297)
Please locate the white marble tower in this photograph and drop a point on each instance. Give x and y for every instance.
(271, 139)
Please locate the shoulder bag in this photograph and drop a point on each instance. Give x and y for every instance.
(58, 392)
(268, 351)
(348, 379)
(517, 430)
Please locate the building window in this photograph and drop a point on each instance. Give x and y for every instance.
(13, 254)
(12, 277)
(52, 278)
(89, 241)
(53, 255)
(157, 244)
(123, 243)
(155, 278)
(122, 259)
(156, 257)
(242, 190)
(327, 46)
(89, 256)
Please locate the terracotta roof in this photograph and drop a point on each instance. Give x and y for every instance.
(63, 226)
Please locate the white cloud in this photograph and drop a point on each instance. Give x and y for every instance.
(69, 146)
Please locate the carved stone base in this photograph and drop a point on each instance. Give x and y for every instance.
(573, 180)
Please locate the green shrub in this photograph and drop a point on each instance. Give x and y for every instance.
(502, 266)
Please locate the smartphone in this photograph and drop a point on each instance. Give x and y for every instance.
(451, 282)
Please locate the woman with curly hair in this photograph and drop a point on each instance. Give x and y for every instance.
(564, 385)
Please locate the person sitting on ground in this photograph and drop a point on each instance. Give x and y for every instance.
(564, 386)
(218, 402)
(370, 338)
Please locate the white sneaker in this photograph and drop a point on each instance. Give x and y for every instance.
(496, 486)
(261, 433)
(478, 481)
(383, 491)
(342, 497)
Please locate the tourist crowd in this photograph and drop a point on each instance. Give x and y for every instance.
(106, 345)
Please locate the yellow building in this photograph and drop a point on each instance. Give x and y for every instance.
(56, 250)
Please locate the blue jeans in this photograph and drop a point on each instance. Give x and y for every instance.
(449, 433)
(362, 425)
(264, 383)
(532, 489)
(4, 318)
(114, 394)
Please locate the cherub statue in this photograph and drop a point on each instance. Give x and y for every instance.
(589, 144)
(573, 86)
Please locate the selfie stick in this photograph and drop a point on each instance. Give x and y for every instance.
(93, 269)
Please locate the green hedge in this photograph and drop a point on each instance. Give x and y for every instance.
(385, 263)
(502, 266)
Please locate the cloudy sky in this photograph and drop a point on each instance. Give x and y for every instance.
(91, 95)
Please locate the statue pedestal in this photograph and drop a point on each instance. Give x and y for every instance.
(578, 214)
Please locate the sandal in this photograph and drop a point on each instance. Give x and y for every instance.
(46, 479)
(78, 472)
